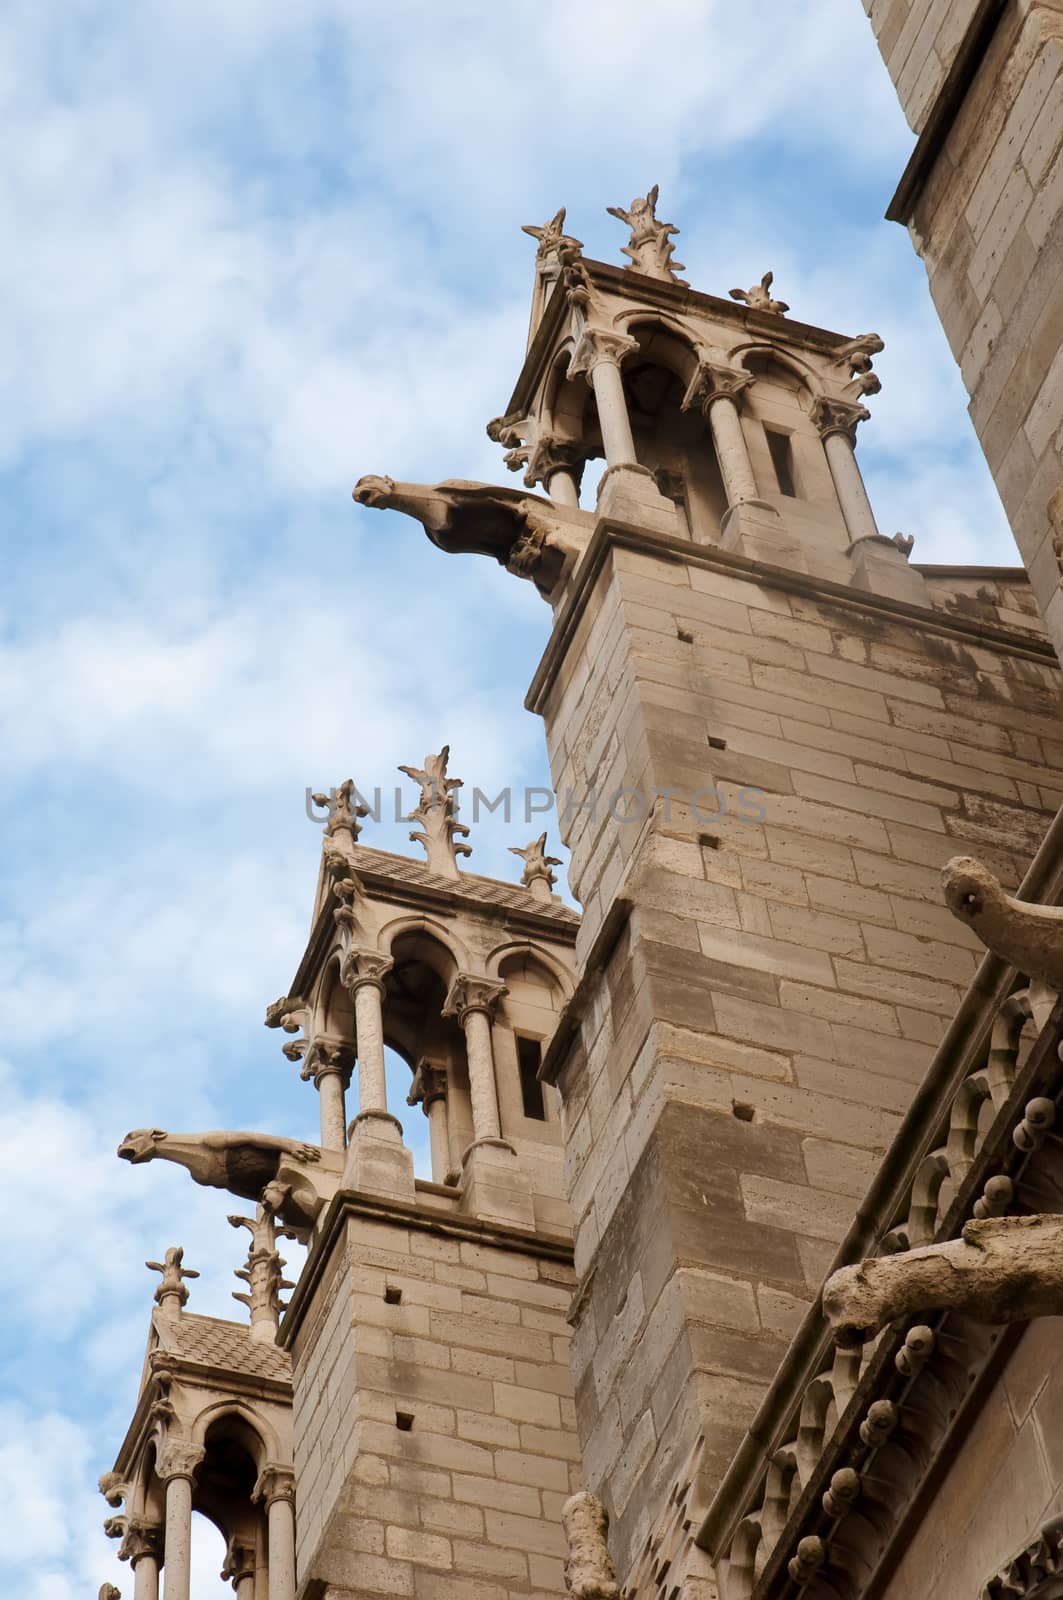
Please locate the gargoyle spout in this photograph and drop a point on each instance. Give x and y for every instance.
(1028, 936)
(529, 535)
(1001, 1269)
(246, 1164)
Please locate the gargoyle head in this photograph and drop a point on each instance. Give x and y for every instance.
(850, 1332)
(373, 490)
(113, 1487)
(968, 887)
(141, 1145)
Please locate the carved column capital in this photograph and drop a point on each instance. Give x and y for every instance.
(328, 1055)
(838, 416)
(178, 1458)
(361, 966)
(598, 345)
(274, 1483)
(469, 993)
(713, 381)
(429, 1085)
(141, 1538)
(556, 455)
(239, 1562)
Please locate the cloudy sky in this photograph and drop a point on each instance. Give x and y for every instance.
(252, 250)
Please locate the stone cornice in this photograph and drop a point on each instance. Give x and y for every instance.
(349, 1203)
(668, 548)
(629, 286)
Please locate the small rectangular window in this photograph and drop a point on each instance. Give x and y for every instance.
(782, 459)
(529, 1060)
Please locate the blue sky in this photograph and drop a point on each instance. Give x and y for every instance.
(252, 251)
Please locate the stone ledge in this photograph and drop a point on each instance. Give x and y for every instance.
(348, 1203)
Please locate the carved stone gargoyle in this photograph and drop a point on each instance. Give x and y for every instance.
(524, 532)
(1028, 936)
(256, 1166)
(589, 1572)
(1001, 1269)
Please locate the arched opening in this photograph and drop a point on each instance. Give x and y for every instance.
(416, 1032)
(784, 451)
(676, 445)
(526, 1021)
(229, 1529)
(570, 413)
(335, 1009)
(208, 1559)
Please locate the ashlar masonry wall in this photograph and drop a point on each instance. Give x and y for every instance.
(763, 989)
(983, 200)
(432, 1410)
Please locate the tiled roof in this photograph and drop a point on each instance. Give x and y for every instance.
(215, 1343)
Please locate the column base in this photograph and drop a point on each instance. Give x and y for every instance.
(377, 1160)
(494, 1188)
(755, 529)
(881, 567)
(629, 493)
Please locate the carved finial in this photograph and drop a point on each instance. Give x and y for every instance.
(589, 1571)
(345, 810)
(552, 237)
(109, 1592)
(650, 246)
(905, 543)
(537, 875)
(437, 813)
(171, 1294)
(262, 1274)
(758, 297)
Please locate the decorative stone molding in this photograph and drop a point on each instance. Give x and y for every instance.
(597, 346)
(649, 248)
(361, 967)
(1001, 1270)
(838, 416)
(552, 455)
(712, 381)
(246, 1164)
(758, 297)
(469, 993)
(589, 1571)
(141, 1538)
(327, 1055)
(239, 1562)
(171, 1294)
(114, 1488)
(537, 876)
(552, 238)
(178, 1458)
(1028, 936)
(274, 1483)
(429, 1085)
(1029, 1574)
(436, 811)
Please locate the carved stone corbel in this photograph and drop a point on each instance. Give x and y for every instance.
(1028, 936)
(712, 381)
(597, 345)
(1000, 1270)
(141, 1538)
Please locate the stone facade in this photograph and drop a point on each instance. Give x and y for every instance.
(980, 83)
(770, 1047)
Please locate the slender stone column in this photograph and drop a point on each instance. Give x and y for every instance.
(276, 1487)
(558, 465)
(329, 1063)
(472, 1000)
(716, 391)
(176, 1466)
(363, 974)
(598, 356)
(562, 488)
(836, 421)
(429, 1090)
(141, 1547)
